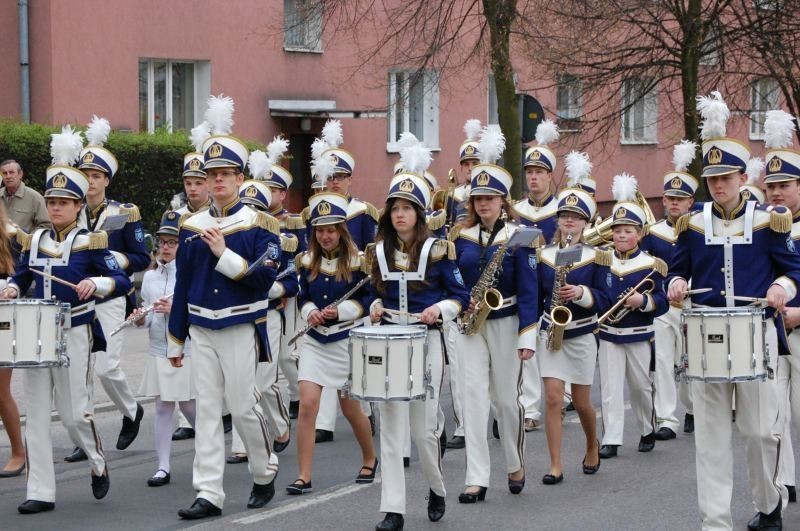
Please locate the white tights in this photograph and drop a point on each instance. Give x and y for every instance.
(163, 430)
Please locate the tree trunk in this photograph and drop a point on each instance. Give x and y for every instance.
(690, 66)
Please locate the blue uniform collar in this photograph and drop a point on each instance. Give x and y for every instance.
(549, 197)
(96, 211)
(278, 212)
(61, 235)
(205, 205)
(330, 255)
(737, 211)
(633, 253)
(228, 210)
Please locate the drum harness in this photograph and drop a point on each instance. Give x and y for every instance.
(47, 263)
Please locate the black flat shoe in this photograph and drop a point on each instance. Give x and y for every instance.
(458, 442)
(201, 508)
(406, 462)
(35, 506)
(227, 426)
(792, 493)
(472, 497)
(18, 471)
(261, 495)
(665, 434)
(772, 521)
(392, 522)
(100, 485)
(608, 451)
(323, 436)
(77, 455)
(591, 469)
(159, 481)
(442, 443)
(235, 459)
(495, 429)
(298, 487)
(647, 442)
(550, 479)
(688, 423)
(130, 429)
(752, 525)
(278, 446)
(182, 434)
(367, 478)
(436, 506)
(294, 409)
(515, 486)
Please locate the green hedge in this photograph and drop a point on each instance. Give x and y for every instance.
(149, 164)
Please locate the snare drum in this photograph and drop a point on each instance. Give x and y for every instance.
(725, 344)
(388, 363)
(32, 333)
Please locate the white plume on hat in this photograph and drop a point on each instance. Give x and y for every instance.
(97, 131)
(491, 144)
(406, 139)
(219, 114)
(177, 201)
(683, 154)
(66, 146)
(259, 164)
(318, 147)
(332, 133)
(577, 166)
(624, 187)
(753, 170)
(472, 128)
(546, 132)
(414, 156)
(778, 129)
(323, 167)
(715, 115)
(199, 134)
(277, 149)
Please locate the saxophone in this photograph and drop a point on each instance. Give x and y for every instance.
(487, 297)
(560, 315)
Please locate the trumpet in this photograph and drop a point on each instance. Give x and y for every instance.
(619, 310)
(135, 317)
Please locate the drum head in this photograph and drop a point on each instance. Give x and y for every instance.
(388, 331)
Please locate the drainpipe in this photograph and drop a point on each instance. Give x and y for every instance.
(24, 65)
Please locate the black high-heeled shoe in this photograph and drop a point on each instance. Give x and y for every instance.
(515, 486)
(472, 497)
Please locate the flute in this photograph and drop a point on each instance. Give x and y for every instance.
(135, 317)
(221, 227)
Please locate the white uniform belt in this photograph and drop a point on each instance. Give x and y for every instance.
(82, 309)
(508, 301)
(634, 330)
(224, 313)
(400, 319)
(339, 327)
(573, 324)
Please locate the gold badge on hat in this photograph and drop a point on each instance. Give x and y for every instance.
(536, 155)
(621, 213)
(746, 194)
(483, 178)
(171, 216)
(324, 208)
(194, 164)
(775, 164)
(88, 158)
(571, 200)
(407, 186)
(251, 191)
(676, 182)
(469, 150)
(215, 150)
(714, 156)
(59, 180)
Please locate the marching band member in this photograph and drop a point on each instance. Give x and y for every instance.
(415, 280)
(626, 344)
(678, 197)
(127, 246)
(221, 301)
(490, 370)
(257, 195)
(581, 291)
(737, 249)
(169, 385)
(328, 270)
(72, 255)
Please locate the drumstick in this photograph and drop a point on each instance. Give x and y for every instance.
(759, 300)
(697, 291)
(221, 227)
(414, 315)
(61, 281)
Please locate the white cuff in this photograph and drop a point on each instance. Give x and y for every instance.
(527, 338)
(105, 285)
(787, 284)
(306, 310)
(122, 260)
(276, 291)
(231, 265)
(174, 349)
(449, 309)
(586, 300)
(651, 304)
(350, 310)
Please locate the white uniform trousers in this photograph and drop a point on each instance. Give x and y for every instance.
(110, 314)
(425, 426)
(531, 388)
(451, 333)
(668, 354)
(757, 421)
(788, 378)
(492, 371)
(286, 361)
(271, 402)
(620, 362)
(224, 364)
(73, 399)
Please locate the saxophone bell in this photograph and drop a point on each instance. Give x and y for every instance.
(493, 299)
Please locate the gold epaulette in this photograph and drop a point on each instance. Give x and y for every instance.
(132, 211)
(603, 257)
(24, 240)
(298, 260)
(98, 240)
(305, 215)
(538, 254)
(436, 221)
(454, 232)
(368, 258)
(184, 218)
(267, 222)
(294, 222)
(289, 243)
(780, 220)
(444, 247)
(660, 266)
(682, 223)
(372, 211)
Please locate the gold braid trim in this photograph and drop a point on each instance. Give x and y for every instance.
(305, 215)
(780, 221)
(538, 254)
(184, 218)
(372, 211)
(661, 266)
(298, 260)
(24, 240)
(132, 211)
(682, 223)
(294, 222)
(289, 243)
(98, 240)
(454, 232)
(267, 222)
(368, 258)
(436, 221)
(442, 247)
(603, 257)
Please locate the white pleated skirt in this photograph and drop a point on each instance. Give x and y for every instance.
(168, 383)
(573, 363)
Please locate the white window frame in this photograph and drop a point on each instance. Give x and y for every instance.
(310, 27)
(569, 117)
(710, 48)
(430, 108)
(758, 112)
(202, 89)
(649, 110)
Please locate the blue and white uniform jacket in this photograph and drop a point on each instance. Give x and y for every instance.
(214, 292)
(362, 222)
(517, 281)
(627, 270)
(126, 244)
(325, 289)
(660, 241)
(292, 224)
(538, 214)
(783, 332)
(72, 255)
(436, 281)
(589, 272)
(286, 284)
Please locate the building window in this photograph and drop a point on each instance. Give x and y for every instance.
(172, 93)
(712, 45)
(639, 111)
(763, 97)
(569, 103)
(302, 25)
(413, 106)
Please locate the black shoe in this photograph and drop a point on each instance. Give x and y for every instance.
(278, 446)
(235, 459)
(261, 495)
(472, 497)
(435, 506)
(323, 436)
(294, 409)
(227, 426)
(550, 479)
(100, 485)
(182, 434)
(392, 522)
(201, 508)
(406, 462)
(35, 506)
(665, 434)
(370, 477)
(752, 525)
(772, 521)
(371, 418)
(570, 406)
(130, 429)
(299, 487)
(688, 423)
(77, 455)
(792, 493)
(442, 443)
(458, 442)
(16, 472)
(589, 470)
(159, 481)
(647, 442)
(608, 451)
(515, 486)
(495, 429)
